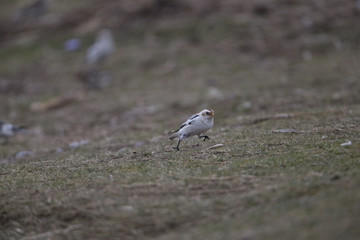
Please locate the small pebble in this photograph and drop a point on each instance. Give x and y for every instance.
(59, 150)
(72, 44)
(74, 145)
(123, 149)
(127, 208)
(215, 93)
(139, 144)
(23, 154)
(348, 143)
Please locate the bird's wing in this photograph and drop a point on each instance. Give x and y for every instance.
(189, 121)
(194, 116)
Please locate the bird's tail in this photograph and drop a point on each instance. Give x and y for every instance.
(174, 135)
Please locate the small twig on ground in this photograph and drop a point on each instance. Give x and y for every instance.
(56, 102)
(287, 130)
(215, 146)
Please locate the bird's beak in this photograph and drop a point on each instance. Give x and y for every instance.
(212, 114)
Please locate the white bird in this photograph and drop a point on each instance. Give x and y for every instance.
(197, 124)
(102, 48)
(8, 130)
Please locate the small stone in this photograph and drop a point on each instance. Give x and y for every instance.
(215, 93)
(74, 145)
(123, 149)
(72, 44)
(59, 150)
(139, 144)
(23, 154)
(127, 208)
(246, 105)
(345, 144)
(307, 55)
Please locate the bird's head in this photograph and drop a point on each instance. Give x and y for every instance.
(208, 113)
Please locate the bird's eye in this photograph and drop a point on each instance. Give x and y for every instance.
(207, 113)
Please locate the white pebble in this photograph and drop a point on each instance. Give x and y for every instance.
(348, 143)
(23, 154)
(74, 145)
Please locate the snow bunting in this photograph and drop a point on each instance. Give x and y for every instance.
(8, 130)
(102, 48)
(197, 124)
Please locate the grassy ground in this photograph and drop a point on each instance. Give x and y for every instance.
(258, 75)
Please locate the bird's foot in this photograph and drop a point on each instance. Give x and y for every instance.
(205, 137)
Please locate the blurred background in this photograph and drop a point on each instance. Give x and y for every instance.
(163, 60)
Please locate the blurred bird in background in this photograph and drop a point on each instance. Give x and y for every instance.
(197, 124)
(92, 76)
(102, 48)
(7, 130)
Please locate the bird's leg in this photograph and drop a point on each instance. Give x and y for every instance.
(177, 147)
(205, 137)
